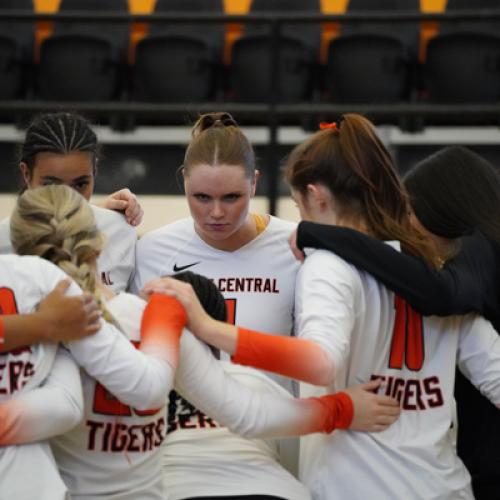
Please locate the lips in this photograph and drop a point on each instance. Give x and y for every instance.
(217, 227)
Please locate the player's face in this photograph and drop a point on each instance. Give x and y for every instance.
(75, 170)
(219, 198)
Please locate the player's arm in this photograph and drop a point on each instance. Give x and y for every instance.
(140, 378)
(455, 289)
(202, 380)
(44, 412)
(478, 357)
(58, 318)
(313, 358)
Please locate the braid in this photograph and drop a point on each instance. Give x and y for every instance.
(208, 294)
(57, 224)
(60, 133)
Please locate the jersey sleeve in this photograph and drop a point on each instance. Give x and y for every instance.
(478, 357)
(201, 379)
(51, 409)
(326, 306)
(135, 378)
(456, 289)
(325, 312)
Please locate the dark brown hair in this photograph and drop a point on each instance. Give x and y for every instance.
(218, 140)
(352, 162)
(454, 192)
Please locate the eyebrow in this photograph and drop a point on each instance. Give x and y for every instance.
(58, 179)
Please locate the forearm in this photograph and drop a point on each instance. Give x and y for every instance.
(46, 411)
(23, 329)
(428, 290)
(202, 380)
(300, 359)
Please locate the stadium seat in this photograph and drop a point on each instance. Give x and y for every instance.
(463, 67)
(179, 62)
(486, 26)
(298, 52)
(77, 68)
(116, 33)
(173, 68)
(211, 34)
(373, 62)
(94, 54)
(16, 51)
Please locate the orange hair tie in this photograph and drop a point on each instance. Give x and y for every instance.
(328, 126)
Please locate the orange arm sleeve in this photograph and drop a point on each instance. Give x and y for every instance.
(162, 323)
(296, 358)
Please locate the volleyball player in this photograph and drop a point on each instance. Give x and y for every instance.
(247, 257)
(353, 329)
(454, 193)
(57, 223)
(61, 148)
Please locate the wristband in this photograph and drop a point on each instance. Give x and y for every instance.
(338, 409)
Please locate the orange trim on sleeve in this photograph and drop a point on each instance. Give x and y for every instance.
(292, 357)
(162, 321)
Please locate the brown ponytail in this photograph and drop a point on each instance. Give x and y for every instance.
(352, 162)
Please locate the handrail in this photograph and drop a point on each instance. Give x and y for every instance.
(251, 18)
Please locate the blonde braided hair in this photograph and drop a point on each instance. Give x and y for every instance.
(56, 223)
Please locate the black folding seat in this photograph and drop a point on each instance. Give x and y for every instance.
(178, 62)
(16, 50)
(298, 52)
(463, 61)
(84, 61)
(373, 62)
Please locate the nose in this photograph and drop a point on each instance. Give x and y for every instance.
(217, 211)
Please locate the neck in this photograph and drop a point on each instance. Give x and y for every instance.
(355, 223)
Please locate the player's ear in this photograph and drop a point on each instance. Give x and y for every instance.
(25, 173)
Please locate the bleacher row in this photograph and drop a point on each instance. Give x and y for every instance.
(367, 63)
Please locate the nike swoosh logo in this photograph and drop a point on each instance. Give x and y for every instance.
(178, 269)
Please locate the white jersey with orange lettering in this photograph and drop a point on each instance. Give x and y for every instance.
(257, 281)
(24, 282)
(116, 262)
(369, 333)
(115, 450)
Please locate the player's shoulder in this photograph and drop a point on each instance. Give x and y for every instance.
(112, 223)
(127, 309)
(330, 266)
(31, 268)
(281, 226)
(167, 234)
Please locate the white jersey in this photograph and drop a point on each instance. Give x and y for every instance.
(115, 449)
(371, 334)
(27, 471)
(257, 280)
(116, 262)
(203, 458)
